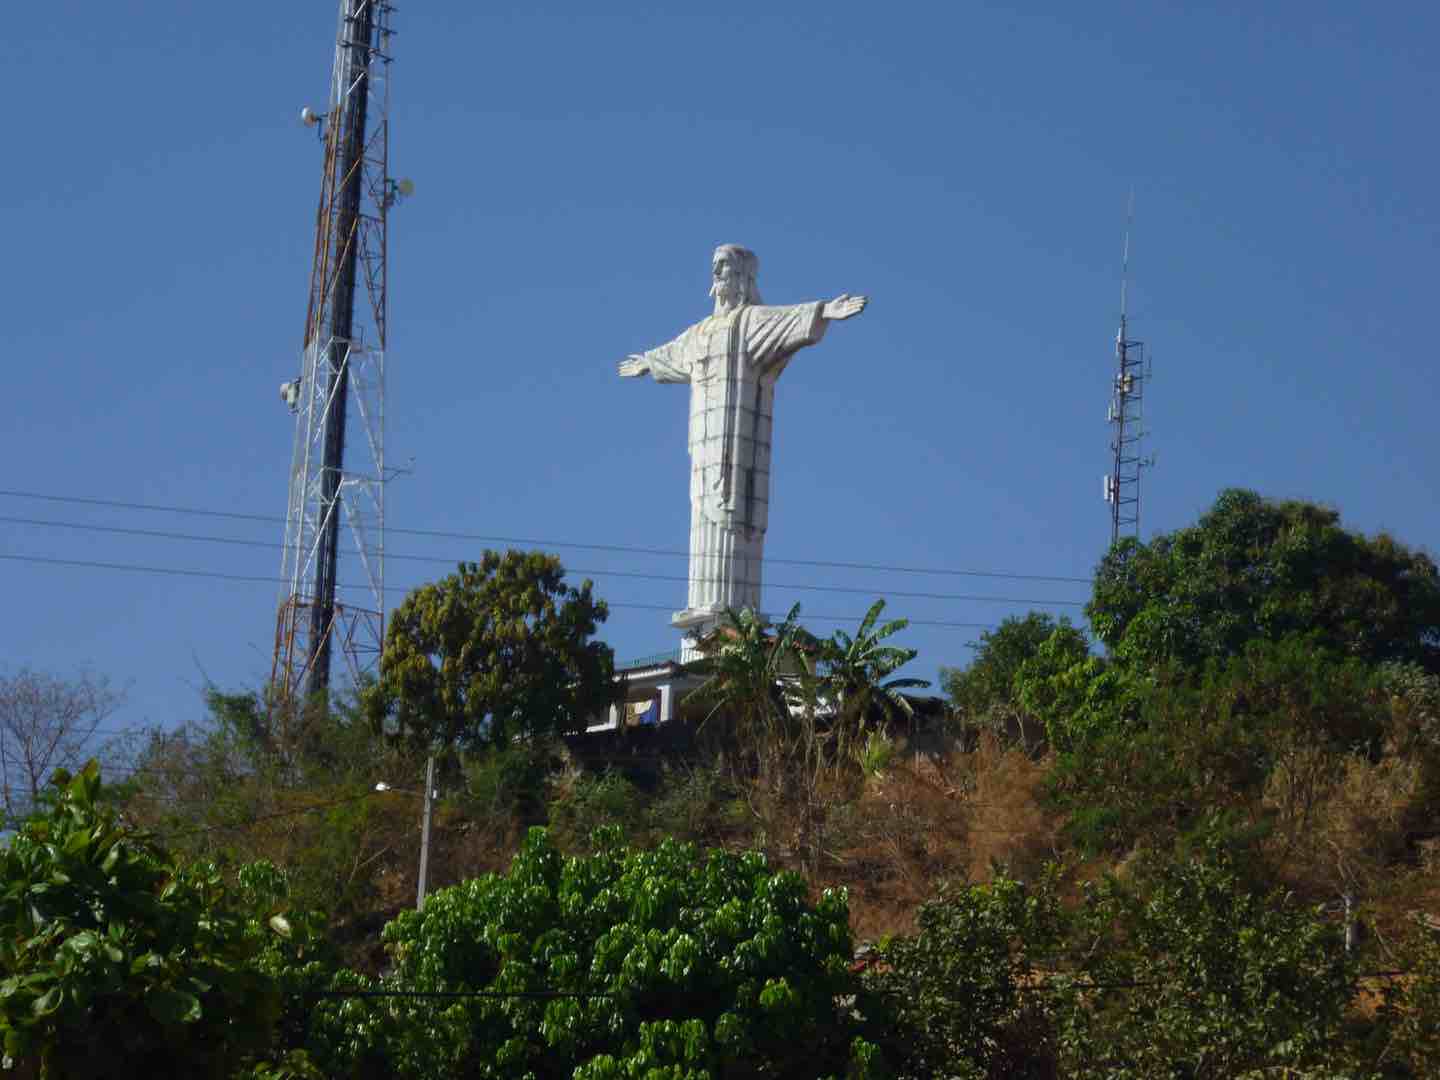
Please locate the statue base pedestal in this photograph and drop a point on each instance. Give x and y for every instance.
(694, 626)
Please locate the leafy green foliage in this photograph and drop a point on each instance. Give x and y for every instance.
(747, 672)
(507, 782)
(1028, 678)
(1241, 649)
(590, 802)
(1192, 973)
(499, 649)
(989, 681)
(952, 1000)
(292, 784)
(624, 963)
(117, 963)
(796, 713)
(1077, 697)
(858, 676)
(1194, 748)
(1250, 569)
(290, 947)
(787, 694)
(1409, 1017)
(697, 803)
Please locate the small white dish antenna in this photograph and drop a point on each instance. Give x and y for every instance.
(290, 394)
(309, 117)
(397, 191)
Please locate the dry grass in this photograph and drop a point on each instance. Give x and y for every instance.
(1009, 827)
(926, 819)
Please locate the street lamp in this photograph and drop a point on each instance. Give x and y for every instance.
(428, 794)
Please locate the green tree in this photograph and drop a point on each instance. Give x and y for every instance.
(291, 948)
(1409, 1017)
(989, 680)
(244, 784)
(624, 963)
(857, 677)
(764, 723)
(954, 999)
(753, 673)
(1190, 973)
(1194, 750)
(1073, 694)
(1257, 568)
(501, 648)
(989, 694)
(116, 962)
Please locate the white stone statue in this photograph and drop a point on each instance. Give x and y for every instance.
(731, 361)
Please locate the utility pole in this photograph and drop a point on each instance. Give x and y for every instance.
(425, 832)
(1126, 417)
(340, 390)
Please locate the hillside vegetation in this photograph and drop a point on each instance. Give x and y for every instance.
(1205, 843)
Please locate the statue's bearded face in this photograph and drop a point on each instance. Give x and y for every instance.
(727, 282)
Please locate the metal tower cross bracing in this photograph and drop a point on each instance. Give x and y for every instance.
(340, 391)
(1126, 417)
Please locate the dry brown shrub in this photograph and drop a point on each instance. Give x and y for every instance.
(1339, 820)
(1008, 824)
(471, 848)
(892, 840)
(929, 818)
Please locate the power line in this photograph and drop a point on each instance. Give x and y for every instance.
(1051, 982)
(259, 819)
(440, 559)
(176, 571)
(542, 994)
(271, 519)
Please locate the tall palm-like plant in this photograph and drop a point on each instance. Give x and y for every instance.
(855, 676)
(748, 668)
(760, 683)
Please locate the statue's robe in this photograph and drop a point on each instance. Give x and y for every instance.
(731, 362)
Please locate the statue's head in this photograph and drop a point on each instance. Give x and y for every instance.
(733, 270)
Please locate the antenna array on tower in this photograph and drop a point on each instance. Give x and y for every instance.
(341, 387)
(1126, 418)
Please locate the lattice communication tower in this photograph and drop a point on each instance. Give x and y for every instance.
(1127, 420)
(339, 396)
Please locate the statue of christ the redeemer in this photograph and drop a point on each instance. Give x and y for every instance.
(731, 361)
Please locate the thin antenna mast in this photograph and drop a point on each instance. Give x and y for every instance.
(341, 387)
(1127, 412)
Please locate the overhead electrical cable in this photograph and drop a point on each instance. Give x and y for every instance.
(161, 534)
(272, 519)
(176, 571)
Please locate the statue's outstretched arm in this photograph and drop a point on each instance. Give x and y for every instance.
(662, 363)
(844, 306)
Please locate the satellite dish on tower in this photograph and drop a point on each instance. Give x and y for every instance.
(397, 191)
(309, 117)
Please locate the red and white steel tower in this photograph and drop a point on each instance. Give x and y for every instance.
(338, 472)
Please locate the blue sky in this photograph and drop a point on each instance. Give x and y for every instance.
(965, 165)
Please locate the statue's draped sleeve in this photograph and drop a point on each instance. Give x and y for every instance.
(670, 363)
(773, 334)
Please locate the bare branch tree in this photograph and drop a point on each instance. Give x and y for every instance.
(46, 723)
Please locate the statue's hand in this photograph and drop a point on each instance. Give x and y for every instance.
(844, 306)
(632, 365)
